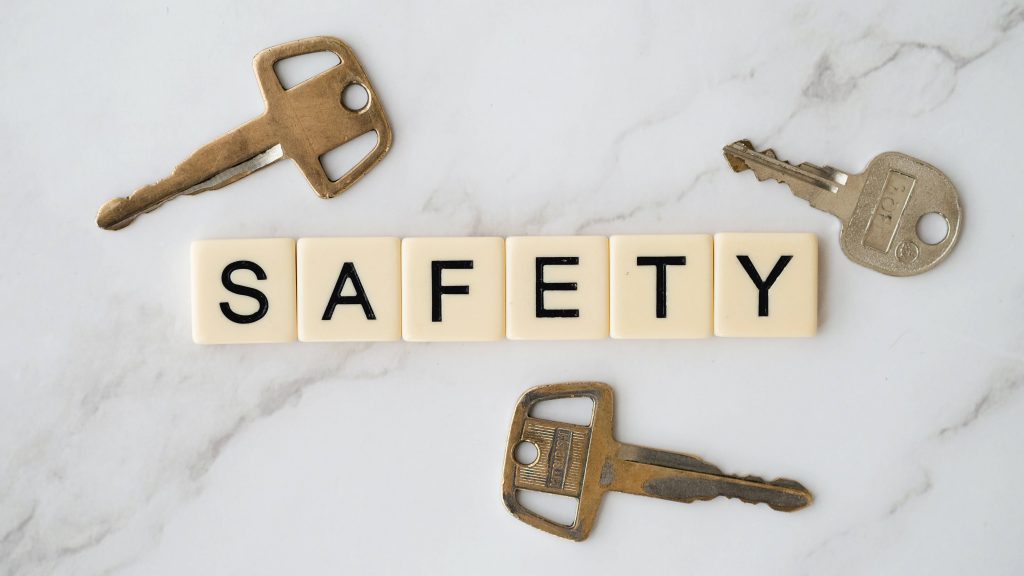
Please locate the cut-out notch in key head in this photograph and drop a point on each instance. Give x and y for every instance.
(303, 123)
(584, 462)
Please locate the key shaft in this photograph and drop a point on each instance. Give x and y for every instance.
(684, 478)
(228, 158)
(825, 188)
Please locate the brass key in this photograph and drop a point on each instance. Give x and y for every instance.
(302, 123)
(879, 208)
(584, 462)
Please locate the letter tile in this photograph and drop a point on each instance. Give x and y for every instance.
(557, 287)
(243, 291)
(349, 289)
(453, 289)
(661, 286)
(766, 285)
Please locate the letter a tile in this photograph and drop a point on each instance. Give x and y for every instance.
(350, 289)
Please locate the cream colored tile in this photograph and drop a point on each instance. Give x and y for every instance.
(453, 289)
(786, 262)
(661, 286)
(349, 289)
(243, 291)
(557, 287)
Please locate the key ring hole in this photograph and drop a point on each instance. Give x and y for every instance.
(526, 453)
(355, 97)
(932, 228)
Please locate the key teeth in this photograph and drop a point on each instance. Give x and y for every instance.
(735, 162)
(787, 483)
(781, 482)
(738, 164)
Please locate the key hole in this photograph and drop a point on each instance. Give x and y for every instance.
(355, 97)
(526, 453)
(932, 228)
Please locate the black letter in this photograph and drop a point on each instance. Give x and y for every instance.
(763, 286)
(437, 289)
(660, 280)
(348, 270)
(260, 297)
(542, 286)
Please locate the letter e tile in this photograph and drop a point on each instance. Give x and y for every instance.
(557, 287)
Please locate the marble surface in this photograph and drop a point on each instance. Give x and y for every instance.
(127, 449)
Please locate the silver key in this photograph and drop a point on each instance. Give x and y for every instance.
(879, 208)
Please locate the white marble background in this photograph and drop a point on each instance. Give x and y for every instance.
(127, 449)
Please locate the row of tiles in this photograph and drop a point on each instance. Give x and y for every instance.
(487, 288)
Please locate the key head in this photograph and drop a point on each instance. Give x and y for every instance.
(310, 119)
(896, 191)
(569, 456)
